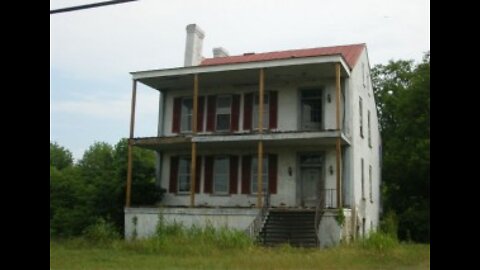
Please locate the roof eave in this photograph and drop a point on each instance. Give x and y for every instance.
(336, 58)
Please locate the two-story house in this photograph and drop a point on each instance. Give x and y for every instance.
(279, 144)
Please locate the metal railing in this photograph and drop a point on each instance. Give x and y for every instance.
(256, 226)
(325, 200)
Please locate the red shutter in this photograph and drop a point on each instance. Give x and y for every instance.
(235, 112)
(211, 108)
(201, 103)
(233, 174)
(273, 112)
(247, 112)
(177, 110)
(246, 166)
(173, 175)
(272, 173)
(208, 174)
(198, 170)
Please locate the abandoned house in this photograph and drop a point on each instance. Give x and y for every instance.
(283, 145)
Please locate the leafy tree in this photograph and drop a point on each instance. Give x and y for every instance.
(402, 92)
(60, 157)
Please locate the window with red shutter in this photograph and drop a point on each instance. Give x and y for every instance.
(233, 174)
(246, 174)
(273, 109)
(172, 187)
(272, 173)
(211, 106)
(201, 105)
(207, 188)
(235, 112)
(247, 111)
(177, 107)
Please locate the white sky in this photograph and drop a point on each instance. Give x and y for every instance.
(92, 51)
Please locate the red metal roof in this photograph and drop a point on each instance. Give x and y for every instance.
(349, 52)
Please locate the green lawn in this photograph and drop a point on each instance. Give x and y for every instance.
(72, 254)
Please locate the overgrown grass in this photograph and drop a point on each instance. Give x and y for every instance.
(176, 247)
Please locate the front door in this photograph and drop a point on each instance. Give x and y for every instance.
(310, 179)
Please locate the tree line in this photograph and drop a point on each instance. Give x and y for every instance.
(93, 189)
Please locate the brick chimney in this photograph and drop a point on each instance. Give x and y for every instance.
(193, 47)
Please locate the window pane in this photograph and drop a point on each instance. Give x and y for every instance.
(314, 93)
(223, 121)
(255, 173)
(312, 159)
(266, 116)
(223, 102)
(183, 183)
(186, 118)
(221, 175)
(184, 175)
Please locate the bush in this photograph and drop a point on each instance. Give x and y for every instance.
(102, 232)
(389, 224)
(379, 241)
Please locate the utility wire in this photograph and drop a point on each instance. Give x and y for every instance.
(93, 5)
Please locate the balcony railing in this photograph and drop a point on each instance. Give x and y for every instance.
(256, 226)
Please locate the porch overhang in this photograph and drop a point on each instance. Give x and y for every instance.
(242, 73)
(244, 140)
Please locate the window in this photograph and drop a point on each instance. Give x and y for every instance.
(223, 112)
(363, 181)
(311, 106)
(363, 226)
(360, 107)
(187, 111)
(255, 173)
(221, 175)
(184, 175)
(370, 182)
(266, 111)
(369, 131)
(364, 75)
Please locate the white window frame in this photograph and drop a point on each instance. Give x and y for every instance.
(217, 175)
(187, 117)
(370, 182)
(302, 122)
(369, 130)
(253, 174)
(223, 111)
(360, 108)
(363, 178)
(187, 174)
(266, 111)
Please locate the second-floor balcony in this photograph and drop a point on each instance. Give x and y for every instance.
(299, 103)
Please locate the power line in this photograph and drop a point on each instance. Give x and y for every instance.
(93, 5)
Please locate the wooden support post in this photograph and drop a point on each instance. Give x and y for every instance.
(130, 142)
(337, 144)
(260, 143)
(193, 163)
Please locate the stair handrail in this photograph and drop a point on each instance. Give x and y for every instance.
(319, 211)
(256, 226)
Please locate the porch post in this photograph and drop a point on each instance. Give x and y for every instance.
(130, 142)
(193, 164)
(260, 142)
(337, 144)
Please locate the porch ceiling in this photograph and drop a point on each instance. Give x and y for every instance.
(243, 141)
(182, 78)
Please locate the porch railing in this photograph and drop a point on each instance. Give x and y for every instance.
(325, 200)
(256, 226)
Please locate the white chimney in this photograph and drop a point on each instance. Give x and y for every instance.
(193, 47)
(220, 52)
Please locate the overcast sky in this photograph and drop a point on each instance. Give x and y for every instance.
(92, 51)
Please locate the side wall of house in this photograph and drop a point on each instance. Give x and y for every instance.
(360, 86)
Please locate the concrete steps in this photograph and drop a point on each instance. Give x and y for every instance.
(296, 228)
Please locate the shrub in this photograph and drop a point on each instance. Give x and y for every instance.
(101, 232)
(379, 241)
